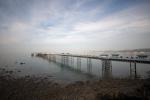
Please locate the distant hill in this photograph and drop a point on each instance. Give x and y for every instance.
(136, 50)
(133, 50)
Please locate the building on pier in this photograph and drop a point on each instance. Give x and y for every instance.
(142, 56)
(104, 55)
(115, 55)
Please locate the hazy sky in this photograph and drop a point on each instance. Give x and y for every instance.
(44, 25)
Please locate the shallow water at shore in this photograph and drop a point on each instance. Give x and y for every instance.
(40, 88)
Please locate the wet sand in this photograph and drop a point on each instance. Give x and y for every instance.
(40, 88)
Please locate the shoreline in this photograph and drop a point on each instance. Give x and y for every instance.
(40, 88)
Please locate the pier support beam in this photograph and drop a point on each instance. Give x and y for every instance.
(63, 60)
(66, 60)
(133, 73)
(78, 63)
(89, 65)
(71, 61)
(106, 69)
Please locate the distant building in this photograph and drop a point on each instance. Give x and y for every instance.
(104, 55)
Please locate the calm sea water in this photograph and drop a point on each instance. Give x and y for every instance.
(55, 71)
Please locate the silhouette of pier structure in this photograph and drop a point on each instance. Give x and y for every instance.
(133, 73)
(72, 60)
(106, 69)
